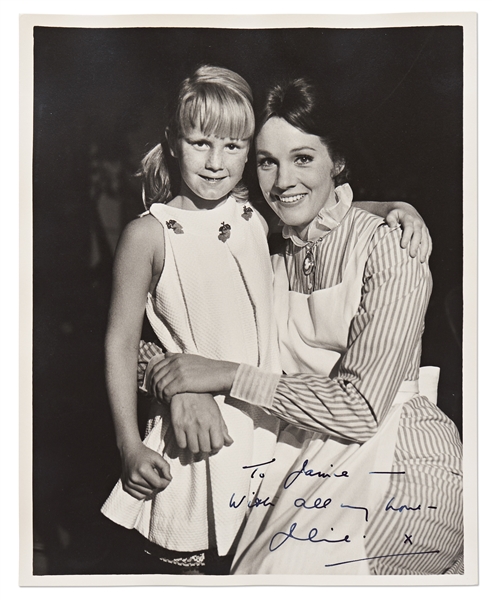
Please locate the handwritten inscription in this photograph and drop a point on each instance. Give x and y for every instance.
(256, 467)
(318, 503)
(254, 503)
(357, 508)
(401, 508)
(307, 533)
(281, 537)
(294, 475)
(346, 562)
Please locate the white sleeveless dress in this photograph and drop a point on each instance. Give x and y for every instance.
(214, 298)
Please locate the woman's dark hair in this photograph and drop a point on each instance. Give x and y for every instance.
(298, 102)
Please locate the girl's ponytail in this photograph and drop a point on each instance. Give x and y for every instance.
(241, 192)
(156, 182)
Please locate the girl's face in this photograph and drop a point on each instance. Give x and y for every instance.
(295, 172)
(210, 166)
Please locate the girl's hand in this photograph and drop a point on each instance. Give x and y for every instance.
(179, 373)
(415, 232)
(198, 424)
(145, 472)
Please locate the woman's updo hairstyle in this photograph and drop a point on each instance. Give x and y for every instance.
(214, 100)
(298, 102)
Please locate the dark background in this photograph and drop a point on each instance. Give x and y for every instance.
(98, 102)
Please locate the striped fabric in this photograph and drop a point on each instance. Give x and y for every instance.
(384, 349)
(384, 340)
(146, 351)
(428, 451)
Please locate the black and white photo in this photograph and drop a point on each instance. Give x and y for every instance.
(248, 307)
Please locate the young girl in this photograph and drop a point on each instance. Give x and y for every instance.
(198, 264)
(213, 297)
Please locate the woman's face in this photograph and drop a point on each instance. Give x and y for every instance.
(295, 172)
(210, 166)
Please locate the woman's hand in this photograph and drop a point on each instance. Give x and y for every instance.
(415, 235)
(179, 373)
(415, 232)
(198, 424)
(144, 472)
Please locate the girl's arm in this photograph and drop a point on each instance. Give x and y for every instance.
(138, 261)
(197, 422)
(383, 350)
(196, 419)
(415, 232)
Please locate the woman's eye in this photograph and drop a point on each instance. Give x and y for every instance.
(303, 159)
(265, 163)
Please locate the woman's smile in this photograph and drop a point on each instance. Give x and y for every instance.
(290, 199)
(295, 172)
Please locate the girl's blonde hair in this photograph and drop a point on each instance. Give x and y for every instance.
(214, 100)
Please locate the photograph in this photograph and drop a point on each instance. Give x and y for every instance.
(249, 242)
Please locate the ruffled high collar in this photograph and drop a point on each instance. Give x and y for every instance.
(327, 218)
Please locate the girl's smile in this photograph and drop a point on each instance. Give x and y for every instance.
(210, 167)
(212, 179)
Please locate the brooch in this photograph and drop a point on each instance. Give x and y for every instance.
(247, 213)
(174, 225)
(224, 232)
(308, 263)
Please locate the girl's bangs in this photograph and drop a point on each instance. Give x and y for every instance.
(223, 116)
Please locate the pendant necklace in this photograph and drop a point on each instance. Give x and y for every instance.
(309, 262)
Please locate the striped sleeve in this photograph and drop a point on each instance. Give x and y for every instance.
(146, 352)
(253, 383)
(383, 350)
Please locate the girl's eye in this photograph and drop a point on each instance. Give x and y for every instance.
(232, 147)
(303, 159)
(199, 144)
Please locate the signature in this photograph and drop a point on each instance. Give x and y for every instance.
(293, 476)
(311, 537)
(346, 562)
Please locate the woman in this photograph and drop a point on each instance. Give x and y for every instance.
(366, 478)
